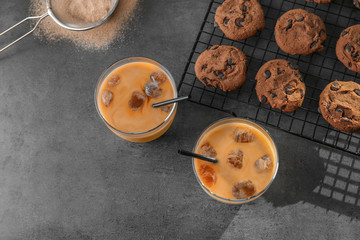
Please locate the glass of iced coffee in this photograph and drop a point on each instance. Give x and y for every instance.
(125, 94)
(247, 160)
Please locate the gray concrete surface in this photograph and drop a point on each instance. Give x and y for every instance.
(64, 175)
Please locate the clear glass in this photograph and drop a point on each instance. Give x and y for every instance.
(151, 134)
(247, 122)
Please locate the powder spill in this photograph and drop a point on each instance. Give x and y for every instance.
(98, 38)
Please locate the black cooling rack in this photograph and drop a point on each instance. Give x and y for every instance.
(317, 69)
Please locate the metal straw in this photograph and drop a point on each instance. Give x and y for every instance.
(174, 100)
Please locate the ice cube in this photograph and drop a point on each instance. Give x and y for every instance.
(152, 90)
(106, 97)
(114, 80)
(166, 108)
(243, 135)
(158, 76)
(243, 189)
(236, 158)
(207, 175)
(137, 100)
(207, 150)
(263, 163)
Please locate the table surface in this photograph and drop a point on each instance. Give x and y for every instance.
(64, 175)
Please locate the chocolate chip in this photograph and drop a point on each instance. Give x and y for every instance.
(328, 105)
(346, 119)
(339, 110)
(349, 48)
(229, 63)
(273, 95)
(302, 94)
(357, 91)
(226, 21)
(343, 33)
(263, 99)
(350, 64)
(314, 44)
(221, 75)
(294, 66)
(355, 55)
(283, 107)
(244, 8)
(239, 21)
(279, 71)
(300, 19)
(267, 74)
(335, 86)
(204, 67)
(289, 25)
(289, 90)
(321, 32)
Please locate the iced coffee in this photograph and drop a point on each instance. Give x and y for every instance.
(247, 160)
(126, 93)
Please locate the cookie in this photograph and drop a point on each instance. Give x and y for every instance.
(357, 3)
(300, 32)
(348, 48)
(340, 105)
(240, 19)
(320, 1)
(222, 67)
(280, 84)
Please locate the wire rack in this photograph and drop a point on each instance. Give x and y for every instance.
(317, 69)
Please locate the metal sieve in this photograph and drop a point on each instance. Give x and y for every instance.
(60, 20)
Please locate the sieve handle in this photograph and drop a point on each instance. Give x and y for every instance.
(39, 18)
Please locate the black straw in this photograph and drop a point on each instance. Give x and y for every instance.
(195, 155)
(174, 100)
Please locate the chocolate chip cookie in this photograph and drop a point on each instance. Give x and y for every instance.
(357, 3)
(222, 67)
(280, 84)
(240, 19)
(300, 32)
(348, 48)
(340, 105)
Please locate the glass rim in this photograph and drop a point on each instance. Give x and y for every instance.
(229, 200)
(125, 61)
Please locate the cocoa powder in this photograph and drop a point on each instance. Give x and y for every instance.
(98, 38)
(81, 11)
